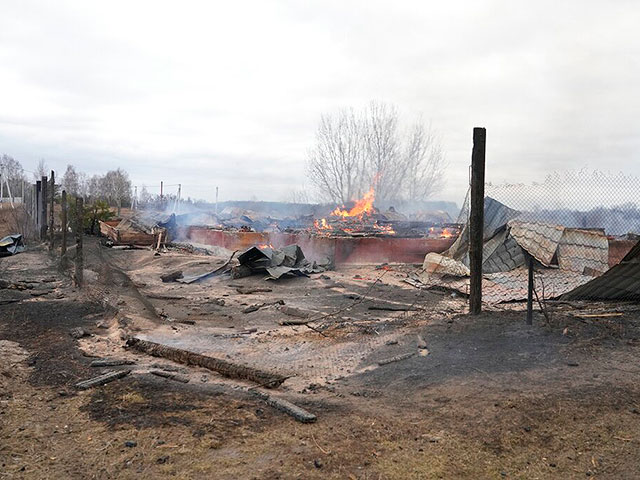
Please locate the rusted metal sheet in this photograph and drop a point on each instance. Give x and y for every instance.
(339, 249)
(583, 249)
(618, 249)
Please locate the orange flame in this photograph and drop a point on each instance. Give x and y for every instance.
(446, 233)
(322, 224)
(362, 206)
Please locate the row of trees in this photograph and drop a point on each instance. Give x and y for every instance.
(114, 187)
(356, 150)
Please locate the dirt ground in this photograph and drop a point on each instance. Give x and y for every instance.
(489, 397)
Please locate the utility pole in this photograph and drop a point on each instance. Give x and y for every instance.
(52, 230)
(161, 190)
(135, 198)
(216, 200)
(476, 220)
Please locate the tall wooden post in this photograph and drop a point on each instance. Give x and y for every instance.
(37, 207)
(52, 196)
(43, 205)
(476, 219)
(63, 228)
(79, 233)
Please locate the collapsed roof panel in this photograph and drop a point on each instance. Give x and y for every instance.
(540, 240)
(621, 282)
(496, 216)
(583, 249)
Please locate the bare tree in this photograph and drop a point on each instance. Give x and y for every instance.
(336, 162)
(117, 187)
(424, 164)
(355, 151)
(42, 170)
(71, 181)
(12, 169)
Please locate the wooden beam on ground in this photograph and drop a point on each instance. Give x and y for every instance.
(102, 379)
(223, 367)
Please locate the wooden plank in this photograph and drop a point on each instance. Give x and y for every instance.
(102, 379)
(300, 414)
(397, 358)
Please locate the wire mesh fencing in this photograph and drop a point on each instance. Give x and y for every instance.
(579, 231)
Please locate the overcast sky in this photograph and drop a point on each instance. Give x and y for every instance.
(230, 93)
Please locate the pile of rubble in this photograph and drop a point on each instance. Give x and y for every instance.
(565, 258)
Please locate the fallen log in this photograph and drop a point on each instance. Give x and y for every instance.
(250, 290)
(295, 312)
(392, 308)
(300, 414)
(158, 296)
(397, 358)
(171, 376)
(295, 321)
(257, 306)
(110, 362)
(223, 367)
(102, 379)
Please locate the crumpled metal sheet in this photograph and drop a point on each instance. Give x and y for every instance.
(621, 282)
(540, 240)
(11, 244)
(501, 254)
(496, 216)
(437, 264)
(289, 260)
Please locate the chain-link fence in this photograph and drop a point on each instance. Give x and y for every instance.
(579, 231)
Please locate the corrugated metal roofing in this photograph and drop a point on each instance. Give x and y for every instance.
(621, 282)
(539, 239)
(501, 254)
(496, 216)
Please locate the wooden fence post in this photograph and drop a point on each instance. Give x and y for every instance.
(63, 228)
(52, 230)
(43, 206)
(476, 220)
(36, 207)
(530, 290)
(79, 233)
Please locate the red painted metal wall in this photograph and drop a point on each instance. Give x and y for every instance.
(341, 249)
